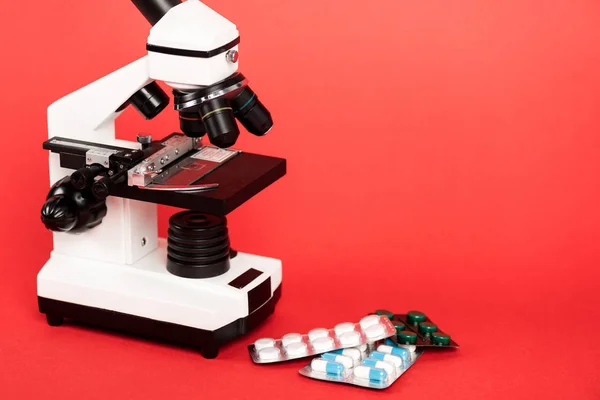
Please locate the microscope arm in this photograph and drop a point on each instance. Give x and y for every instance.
(89, 113)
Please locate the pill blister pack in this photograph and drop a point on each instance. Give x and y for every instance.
(376, 369)
(415, 328)
(321, 340)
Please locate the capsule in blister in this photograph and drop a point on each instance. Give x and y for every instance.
(395, 360)
(370, 373)
(331, 368)
(403, 353)
(372, 362)
(346, 361)
(354, 354)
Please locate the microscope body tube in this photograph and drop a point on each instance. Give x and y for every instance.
(154, 10)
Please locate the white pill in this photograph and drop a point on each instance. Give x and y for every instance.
(317, 334)
(264, 342)
(269, 353)
(343, 328)
(350, 339)
(323, 344)
(368, 321)
(372, 374)
(371, 362)
(362, 348)
(291, 338)
(374, 331)
(296, 349)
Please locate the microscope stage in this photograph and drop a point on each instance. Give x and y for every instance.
(145, 299)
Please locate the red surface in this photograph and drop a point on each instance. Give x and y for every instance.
(443, 155)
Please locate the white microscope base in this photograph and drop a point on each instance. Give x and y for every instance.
(145, 299)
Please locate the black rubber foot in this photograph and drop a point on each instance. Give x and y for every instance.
(210, 351)
(54, 320)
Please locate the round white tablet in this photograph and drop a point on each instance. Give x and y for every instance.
(317, 334)
(296, 349)
(350, 338)
(374, 331)
(264, 342)
(291, 338)
(323, 344)
(269, 353)
(368, 321)
(343, 328)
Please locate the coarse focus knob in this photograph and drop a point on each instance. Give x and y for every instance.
(59, 214)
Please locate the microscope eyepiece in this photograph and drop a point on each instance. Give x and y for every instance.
(251, 113)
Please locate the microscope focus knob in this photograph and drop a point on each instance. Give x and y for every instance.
(59, 214)
(68, 209)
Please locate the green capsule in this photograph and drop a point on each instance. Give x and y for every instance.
(387, 313)
(406, 337)
(440, 339)
(414, 317)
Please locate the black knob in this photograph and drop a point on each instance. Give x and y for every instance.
(71, 210)
(84, 177)
(59, 214)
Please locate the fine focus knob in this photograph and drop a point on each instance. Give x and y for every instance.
(59, 214)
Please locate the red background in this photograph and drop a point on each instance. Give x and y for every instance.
(442, 155)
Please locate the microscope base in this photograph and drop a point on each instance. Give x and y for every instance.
(144, 299)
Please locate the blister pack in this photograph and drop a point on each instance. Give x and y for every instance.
(376, 369)
(415, 328)
(321, 340)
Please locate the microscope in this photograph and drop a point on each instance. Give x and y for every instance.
(108, 268)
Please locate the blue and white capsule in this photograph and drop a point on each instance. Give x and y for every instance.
(396, 351)
(412, 349)
(354, 354)
(370, 373)
(330, 368)
(346, 361)
(394, 360)
(384, 365)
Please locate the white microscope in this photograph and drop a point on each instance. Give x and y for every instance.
(108, 267)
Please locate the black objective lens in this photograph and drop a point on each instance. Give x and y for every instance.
(191, 124)
(219, 122)
(252, 113)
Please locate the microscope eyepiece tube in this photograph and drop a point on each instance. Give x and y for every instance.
(149, 100)
(154, 10)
